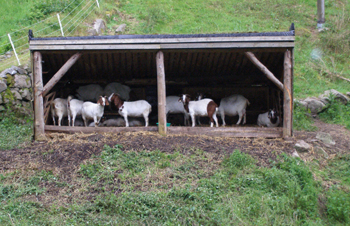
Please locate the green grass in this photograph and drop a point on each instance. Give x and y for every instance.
(132, 188)
(16, 129)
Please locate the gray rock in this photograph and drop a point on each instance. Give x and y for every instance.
(314, 105)
(16, 94)
(2, 108)
(98, 27)
(326, 138)
(26, 94)
(348, 94)
(26, 104)
(295, 154)
(121, 28)
(12, 70)
(3, 85)
(20, 70)
(302, 146)
(22, 81)
(321, 152)
(337, 95)
(301, 103)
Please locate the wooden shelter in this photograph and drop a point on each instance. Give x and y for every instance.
(257, 65)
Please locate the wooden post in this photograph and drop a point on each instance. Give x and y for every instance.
(60, 73)
(288, 95)
(39, 131)
(162, 129)
(262, 68)
(320, 13)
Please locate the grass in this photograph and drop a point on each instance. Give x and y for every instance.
(16, 129)
(150, 187)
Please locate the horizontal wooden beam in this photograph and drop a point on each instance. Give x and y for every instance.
(164, 46)
(264, 69)
(53, 81)
(236, 131)
(163, 40)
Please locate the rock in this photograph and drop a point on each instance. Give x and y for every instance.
(348, 94)
(2, 108)
(26, 94)
(326, 138)
(302, 146)
(295, 154)
(12, 70)
(301, 103)
(3, 85)
(22, 81)
(98, 27)
(16, 94)
(314, 105)
(121, 28)
(321, 152)
(1, 101)
(26, 104)
(337, 95)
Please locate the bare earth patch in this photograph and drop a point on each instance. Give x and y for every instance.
(63, 153)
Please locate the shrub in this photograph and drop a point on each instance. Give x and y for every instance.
(338, 205)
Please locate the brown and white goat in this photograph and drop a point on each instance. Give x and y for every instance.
(131, 108)
(204, 107)
(94, 111)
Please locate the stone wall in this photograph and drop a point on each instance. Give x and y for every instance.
(16, 88)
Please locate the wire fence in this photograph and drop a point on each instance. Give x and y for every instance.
(14, 46)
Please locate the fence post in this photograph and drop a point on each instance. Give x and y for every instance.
(98, 5)
(59, 21)
(14, 50)
(320, 14)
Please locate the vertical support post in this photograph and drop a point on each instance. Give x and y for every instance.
(320, 13)
(59, 21)
(288, 95)
(39, 130)
(162, 129)
(98, 5)
(14, 50)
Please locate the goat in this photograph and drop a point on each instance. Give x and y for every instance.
(59, 109)
(269, 119)
(74, 107)
(131, 108)
(173, 106)
(204, 107)
(94, 111)
(233, 105)
(90, 92)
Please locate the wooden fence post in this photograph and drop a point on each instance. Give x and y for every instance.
(162, 129)
(39, 131)
(320, 13)
(288, 95)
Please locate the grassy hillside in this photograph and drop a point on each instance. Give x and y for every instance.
(318, 56)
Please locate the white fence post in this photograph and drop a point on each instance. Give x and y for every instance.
(59, 21)
(98, 5)
(14, 50)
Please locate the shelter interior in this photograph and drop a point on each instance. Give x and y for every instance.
(217, 73)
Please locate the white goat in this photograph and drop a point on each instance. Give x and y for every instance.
(90, 92)
(173, 106)
(94, 111)
(204, 107)
(269, 119)
(131, 108)
(115, 87)
(59, 109)
(232, 106)
(74, 107)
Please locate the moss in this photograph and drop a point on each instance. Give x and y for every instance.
(10, 80)
(7, 94)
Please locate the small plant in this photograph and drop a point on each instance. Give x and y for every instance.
(336, 112)
(238, 160)
(302, 119)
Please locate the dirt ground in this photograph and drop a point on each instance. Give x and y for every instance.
(62, 154)
(65, 152)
